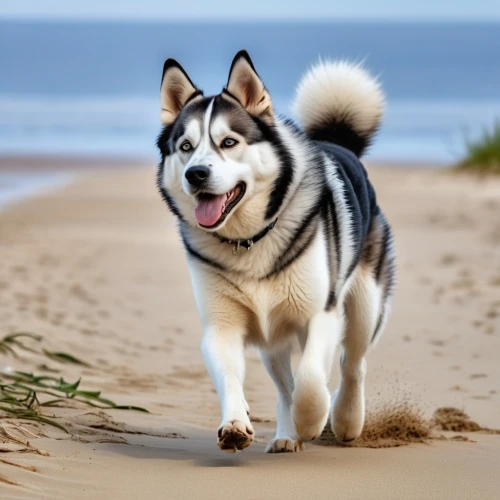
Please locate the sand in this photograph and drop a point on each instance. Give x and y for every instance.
(98, 270)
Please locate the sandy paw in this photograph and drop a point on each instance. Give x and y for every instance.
(235, 436)
(284, 445)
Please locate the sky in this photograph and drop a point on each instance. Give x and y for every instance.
(437, 10)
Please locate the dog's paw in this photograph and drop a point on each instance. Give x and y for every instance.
(348, 414)
(284, 445)
(310, 412)
(235, 436)
(309, 431)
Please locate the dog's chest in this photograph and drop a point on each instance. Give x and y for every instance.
(284, 304)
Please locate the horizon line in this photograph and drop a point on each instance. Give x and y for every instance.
(268, 19)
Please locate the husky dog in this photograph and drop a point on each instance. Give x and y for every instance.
(284, 239)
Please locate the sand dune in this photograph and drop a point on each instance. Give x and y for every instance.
(98, 270)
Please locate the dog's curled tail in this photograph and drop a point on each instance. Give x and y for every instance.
(340, 102)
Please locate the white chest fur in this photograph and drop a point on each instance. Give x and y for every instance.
(269, 310)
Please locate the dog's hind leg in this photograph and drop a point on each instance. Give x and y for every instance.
(223, 350)
(279, 367)
(366, 307)
(311, 398)
(362, 307)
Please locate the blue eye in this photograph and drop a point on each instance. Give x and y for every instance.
(228, 143)
(186, 146)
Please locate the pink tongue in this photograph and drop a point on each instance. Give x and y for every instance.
(209, 210)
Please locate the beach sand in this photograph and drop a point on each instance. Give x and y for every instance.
(97, 268)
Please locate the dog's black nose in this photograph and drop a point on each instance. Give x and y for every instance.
(197, 175)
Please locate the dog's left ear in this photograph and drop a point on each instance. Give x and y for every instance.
(245, 85)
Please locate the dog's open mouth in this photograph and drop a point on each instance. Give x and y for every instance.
(212, 209)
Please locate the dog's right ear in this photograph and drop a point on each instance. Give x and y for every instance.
(176, 90)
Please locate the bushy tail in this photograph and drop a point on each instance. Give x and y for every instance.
(340, 102)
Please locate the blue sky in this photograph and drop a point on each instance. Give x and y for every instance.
(254, 9)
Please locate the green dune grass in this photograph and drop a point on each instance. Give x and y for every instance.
(483, 154)
(26, 396)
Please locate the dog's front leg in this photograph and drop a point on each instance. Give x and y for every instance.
(223, 351)
(278, 365)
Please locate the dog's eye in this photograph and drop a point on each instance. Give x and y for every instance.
(228, 143)
(186, 146)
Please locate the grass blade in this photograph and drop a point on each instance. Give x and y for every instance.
(64, 357)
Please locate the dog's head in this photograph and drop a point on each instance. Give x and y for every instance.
(220, 154)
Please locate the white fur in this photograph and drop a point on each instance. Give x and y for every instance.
(348, 401)
(339, 90)
(278, 365)
(311, 398)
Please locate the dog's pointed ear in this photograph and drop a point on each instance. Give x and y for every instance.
(175, 91)
(245, 85)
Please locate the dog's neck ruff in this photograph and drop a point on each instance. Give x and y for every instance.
(248, 243)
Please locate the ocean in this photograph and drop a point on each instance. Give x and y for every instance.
(16, 186)
(92, 88)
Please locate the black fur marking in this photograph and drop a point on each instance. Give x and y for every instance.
(356, 232)
(379, 322)
(383, 253)
(285, 158)
(285, 263)
(193, 253)
(384, 270)
(388, 288)
(171, 133)
(390, 280)
(336, 235)
(162, 141)
(331, 301)
(164, 193)
(339, 131)
(333, 248)
(292, 253)
(369, 253)
(230, 94)
(197, 93)
(231, 283)
(238, 119)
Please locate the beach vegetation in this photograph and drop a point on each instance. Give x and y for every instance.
(482, 154)
(27, 396)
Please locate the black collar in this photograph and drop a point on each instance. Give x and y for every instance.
(248, 243)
